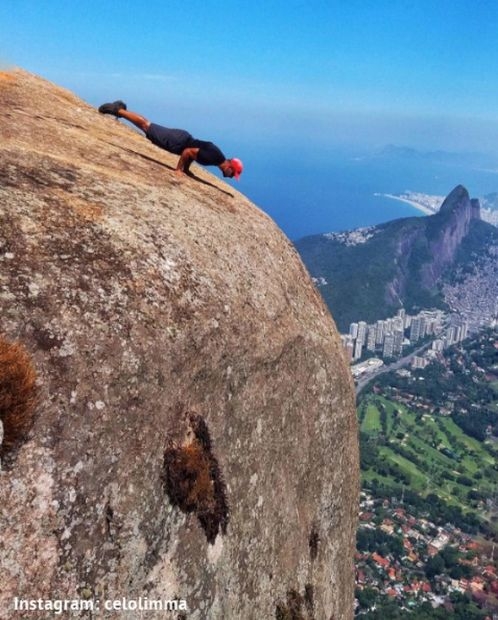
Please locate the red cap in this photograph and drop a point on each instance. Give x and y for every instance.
(237, 167)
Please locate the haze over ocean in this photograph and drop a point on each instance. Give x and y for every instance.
(336, 192)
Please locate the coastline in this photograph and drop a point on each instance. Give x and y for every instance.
(416, 205)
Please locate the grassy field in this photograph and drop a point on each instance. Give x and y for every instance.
(417, 477)
(371, 420)
(428, 453)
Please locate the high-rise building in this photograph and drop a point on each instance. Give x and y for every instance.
(402, 315)
(388, 350)
(417, 328)
(465, 330)
(460, 330)
(362, 332)
(398, 324)
(379, 332)
(398, 341)
(353, 330)
(358, 350)
(371, 337)
(450, 335)
(429, 326)
(433, 320)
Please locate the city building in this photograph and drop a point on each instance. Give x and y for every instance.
(362, 332)
(388, 350)
(379, 332)
(358, 349)
(399, 336)
(417, 328)
(371, 338)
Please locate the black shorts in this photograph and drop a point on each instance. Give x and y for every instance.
(172, 140)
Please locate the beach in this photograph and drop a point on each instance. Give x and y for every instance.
(417, 205)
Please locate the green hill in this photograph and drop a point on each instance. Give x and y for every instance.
(369, 273)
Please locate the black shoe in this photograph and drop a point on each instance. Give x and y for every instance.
(112, 108)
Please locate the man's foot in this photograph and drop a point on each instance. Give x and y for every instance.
(112, 108)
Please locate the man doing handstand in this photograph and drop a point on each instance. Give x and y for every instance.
(179, 142)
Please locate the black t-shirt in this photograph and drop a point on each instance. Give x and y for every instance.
(209, 154)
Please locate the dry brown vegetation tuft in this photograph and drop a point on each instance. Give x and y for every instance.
(194, 483)
(17, 394)
(191, 483)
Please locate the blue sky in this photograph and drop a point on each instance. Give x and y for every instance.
(260, 77)
(378, 71)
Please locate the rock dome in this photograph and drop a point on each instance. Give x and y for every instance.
(193, 434)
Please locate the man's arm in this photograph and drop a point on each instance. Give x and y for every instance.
(186, 158)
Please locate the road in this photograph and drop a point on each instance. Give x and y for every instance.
(403, 361)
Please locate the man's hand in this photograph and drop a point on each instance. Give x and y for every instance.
(186, 158)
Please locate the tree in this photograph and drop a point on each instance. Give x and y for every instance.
(434, 566)
(366, 597)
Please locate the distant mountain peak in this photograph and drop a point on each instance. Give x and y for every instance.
(458, 202)
(455, 199)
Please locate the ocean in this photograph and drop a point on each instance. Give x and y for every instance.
(320, 193)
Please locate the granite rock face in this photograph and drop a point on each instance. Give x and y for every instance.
(436, 240)
(194, 434)
(453, 219)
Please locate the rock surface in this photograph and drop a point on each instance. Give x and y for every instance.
(451, 225)
(145, 301)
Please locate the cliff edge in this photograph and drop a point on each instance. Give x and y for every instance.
(177, 414)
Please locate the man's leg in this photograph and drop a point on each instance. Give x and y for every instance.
(118, 108)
